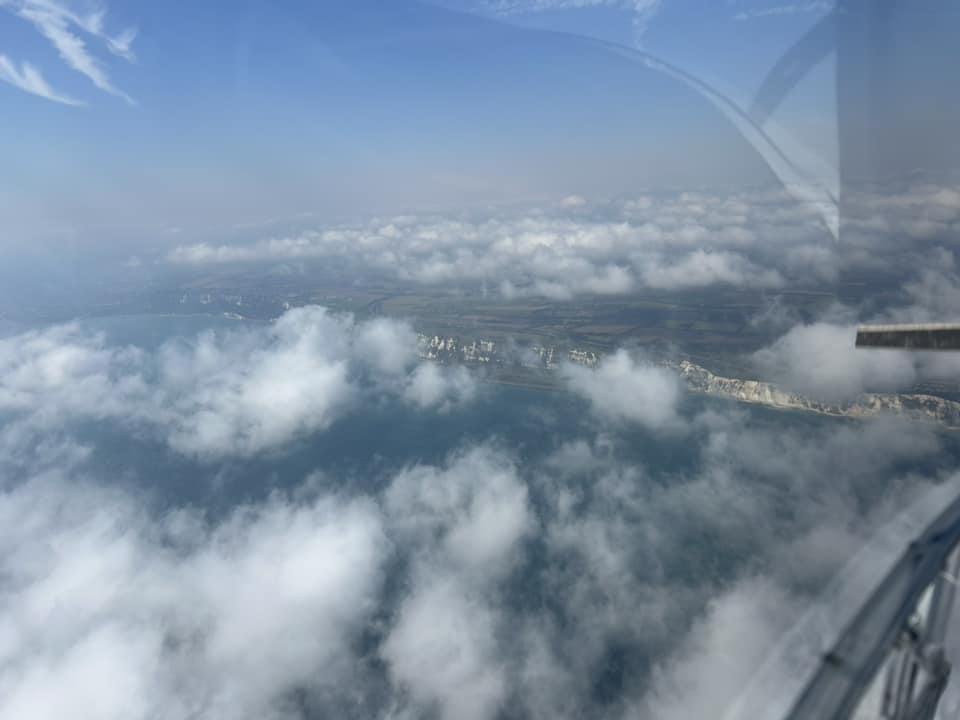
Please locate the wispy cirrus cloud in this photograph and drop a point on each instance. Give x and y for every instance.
(66, 29)
(814, 6)
(643, 10)
(29, 79)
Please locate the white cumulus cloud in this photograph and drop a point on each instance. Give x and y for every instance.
(107, 613)
(624, 388)
(238, 392)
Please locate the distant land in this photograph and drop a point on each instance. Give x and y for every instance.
(540, 364)
(706, 335)
(927, 408)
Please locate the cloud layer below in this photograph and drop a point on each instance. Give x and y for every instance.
(592, 581)
(673, 241)
(234, 393)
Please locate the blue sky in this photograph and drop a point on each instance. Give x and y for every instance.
(130, 120)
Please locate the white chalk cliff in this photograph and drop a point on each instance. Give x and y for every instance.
(928, 408)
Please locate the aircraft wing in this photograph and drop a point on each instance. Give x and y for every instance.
(928, 336)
